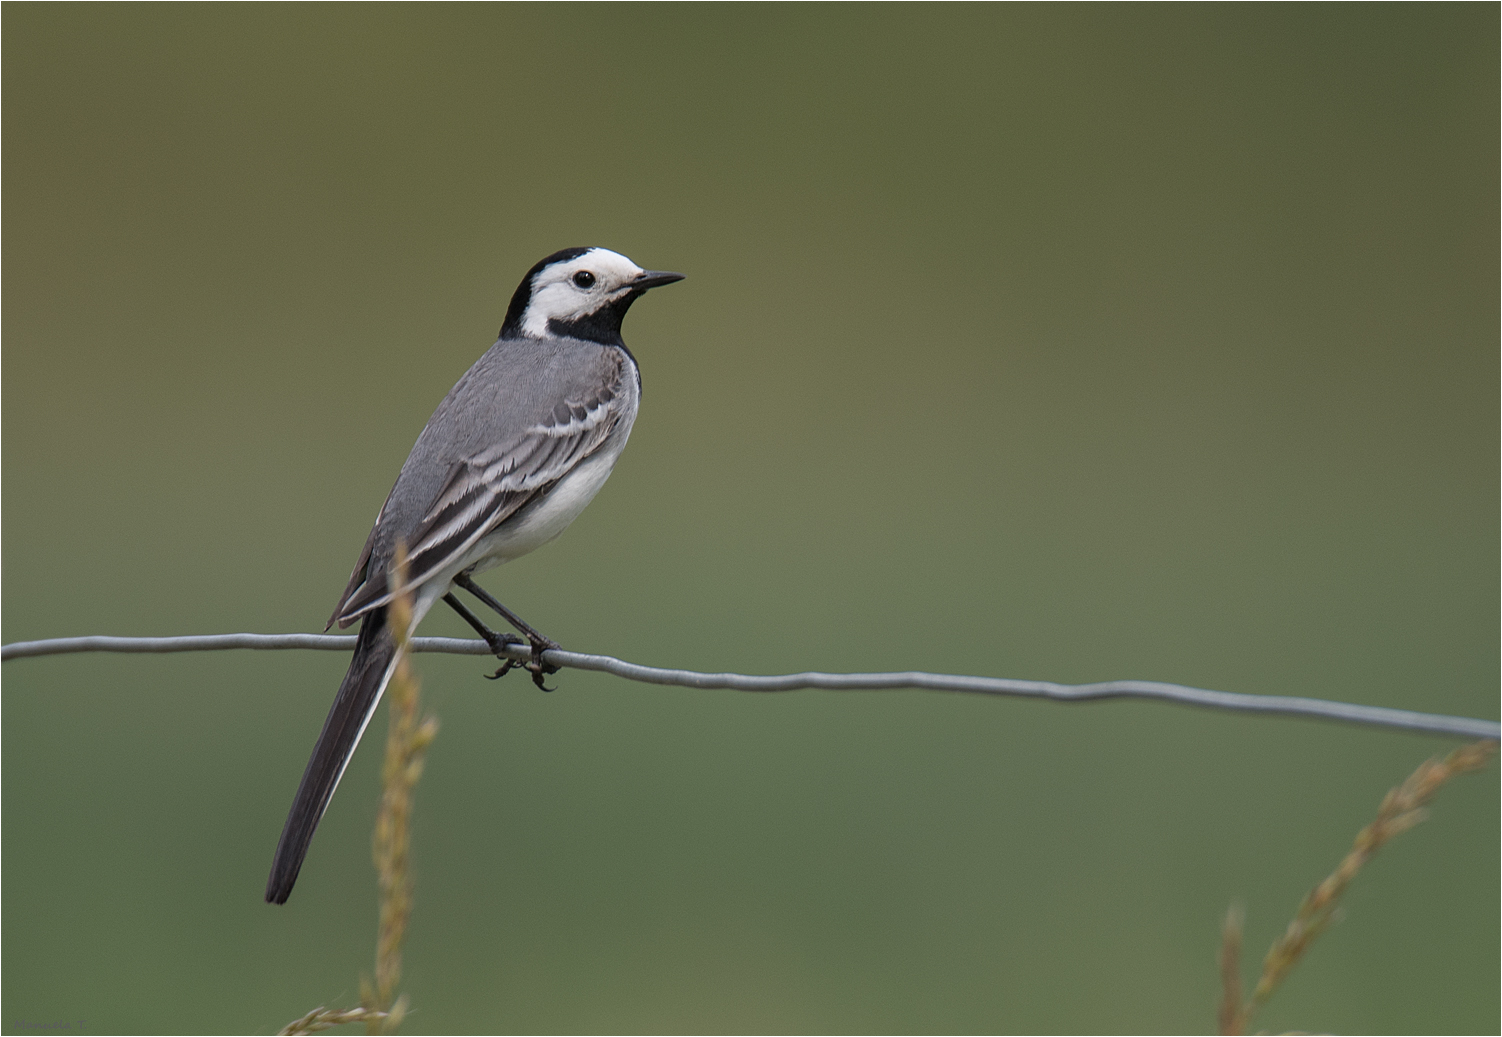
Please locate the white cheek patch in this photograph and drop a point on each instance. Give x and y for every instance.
(555, 302)
(556, 297)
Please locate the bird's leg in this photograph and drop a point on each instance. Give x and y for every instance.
(539, 642)
(498, 642)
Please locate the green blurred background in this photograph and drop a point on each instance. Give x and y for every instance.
(1069, 343)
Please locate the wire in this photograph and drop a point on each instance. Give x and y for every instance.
(1374, 716)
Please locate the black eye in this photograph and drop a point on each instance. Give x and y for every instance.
(584, 279)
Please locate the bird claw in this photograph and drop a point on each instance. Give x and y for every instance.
(498, 644)
(537, 667)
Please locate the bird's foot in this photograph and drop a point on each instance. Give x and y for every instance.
(498, 644)
(535, 666)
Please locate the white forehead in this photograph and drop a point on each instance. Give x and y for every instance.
(608, 267)
(556, 297)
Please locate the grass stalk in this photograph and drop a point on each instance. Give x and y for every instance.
(327, 1018)
(1401, 809)
(1229, 1014)
(407, 740)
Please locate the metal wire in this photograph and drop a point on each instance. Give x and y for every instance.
(1377, 716)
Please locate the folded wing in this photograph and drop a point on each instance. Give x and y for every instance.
(482, 490)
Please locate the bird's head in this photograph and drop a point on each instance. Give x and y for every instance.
(581, 293)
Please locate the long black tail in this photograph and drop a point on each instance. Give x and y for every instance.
(357, 699)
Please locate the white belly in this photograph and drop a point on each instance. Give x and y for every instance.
(542, 520)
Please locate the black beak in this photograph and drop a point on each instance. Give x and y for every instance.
(652, 278)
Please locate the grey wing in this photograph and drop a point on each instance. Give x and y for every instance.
(484, 489)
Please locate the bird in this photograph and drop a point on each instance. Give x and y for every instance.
(512, 455)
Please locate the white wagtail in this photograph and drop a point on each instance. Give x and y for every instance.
(510, 457)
